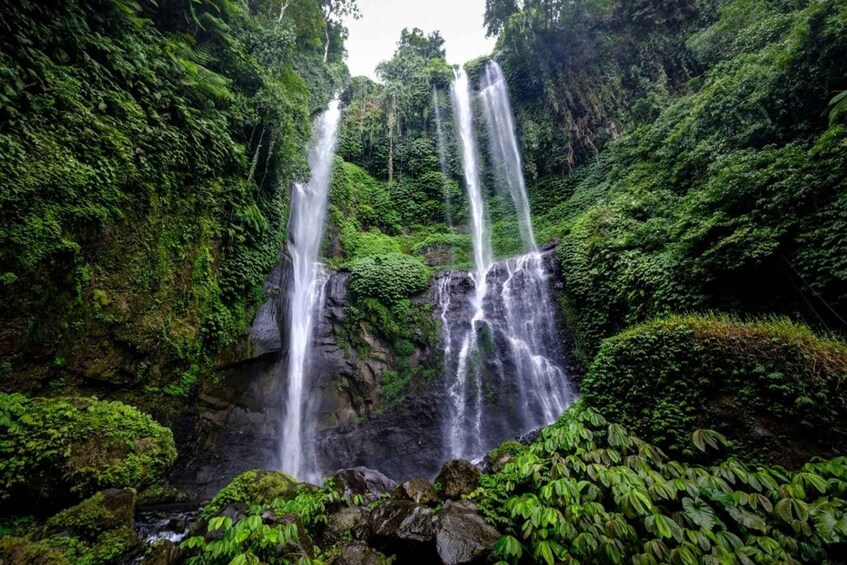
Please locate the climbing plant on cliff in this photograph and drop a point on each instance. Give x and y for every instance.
(146, 150)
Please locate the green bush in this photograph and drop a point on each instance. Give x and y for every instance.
(254, 487)
(52, 447)
(389, 278)
(588, 491)
(776, 390)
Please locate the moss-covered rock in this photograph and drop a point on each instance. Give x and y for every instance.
(504, 453)
(97, 530)
(71, 447)
(255, 487)
(775, 389)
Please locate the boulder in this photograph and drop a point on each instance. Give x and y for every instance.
(163, 552)
(462, 534)
(363, 481)
(355, 520)
(107, 510)
(417, 490)
(298, 547)
(458, 478)
(405, 529)
(256, 487)
(357, 553)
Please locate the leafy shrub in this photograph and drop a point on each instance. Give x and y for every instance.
(276, 530)
(588, 491)
(776, 390)
(389, 277)
(254, 487)
(50, 447)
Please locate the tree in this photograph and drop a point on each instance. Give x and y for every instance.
(283, 6)
(337, 9)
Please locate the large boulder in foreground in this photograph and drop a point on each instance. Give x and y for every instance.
(458, 478)
(462, 535)
(52, 448)
(775, 389)
(417, 490)
(405, 529)
(97, 530)
(365, 482)
(255, 487)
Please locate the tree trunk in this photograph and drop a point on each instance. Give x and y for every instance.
(326, 46)
(284, 4)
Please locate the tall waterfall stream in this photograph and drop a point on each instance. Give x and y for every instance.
(306, 228)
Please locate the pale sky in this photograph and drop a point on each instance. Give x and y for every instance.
(374, 37)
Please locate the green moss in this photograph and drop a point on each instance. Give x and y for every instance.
(775, 389)
(504, 453)
(255, 487)
(78, 445)
(389, 278)
(96, 531)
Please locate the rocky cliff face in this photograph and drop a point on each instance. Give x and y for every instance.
(241, 413)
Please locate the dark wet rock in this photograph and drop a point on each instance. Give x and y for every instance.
(417, 490)
(240, 410)
(405, 529)
(358, 553)
(298, 546)
(352, 520)
(163, 552)
(363, 481)
(235, 511)
(458, 478)
(462, 535)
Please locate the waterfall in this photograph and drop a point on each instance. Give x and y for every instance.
(468, 381)
(442, 156)
(308, 213)
(508, 377)
(505, 154)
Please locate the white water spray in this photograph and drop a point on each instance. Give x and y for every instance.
(505, 154)
(507, 378)
(306, 227)
(442, 156)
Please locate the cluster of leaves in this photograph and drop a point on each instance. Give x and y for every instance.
(774, 388)
(275, 529)
(77, 446)
(146, 150)
(389, 278)
(730, 197)
(588, 491)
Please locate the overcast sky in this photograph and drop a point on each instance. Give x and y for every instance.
(374, 37)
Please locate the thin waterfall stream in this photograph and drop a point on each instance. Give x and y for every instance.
(508, 377)
(306, 227)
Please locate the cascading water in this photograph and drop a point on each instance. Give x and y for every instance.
(458, 440)
(306, 225)
(442, 155)
(507, 378)
(505, 154)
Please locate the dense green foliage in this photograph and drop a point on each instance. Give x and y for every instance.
(70, 447)
(146, 153)
(253, 487)
(389, 277)
(278, 528)
(729, 195)
(587, 491)
(774, 389)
